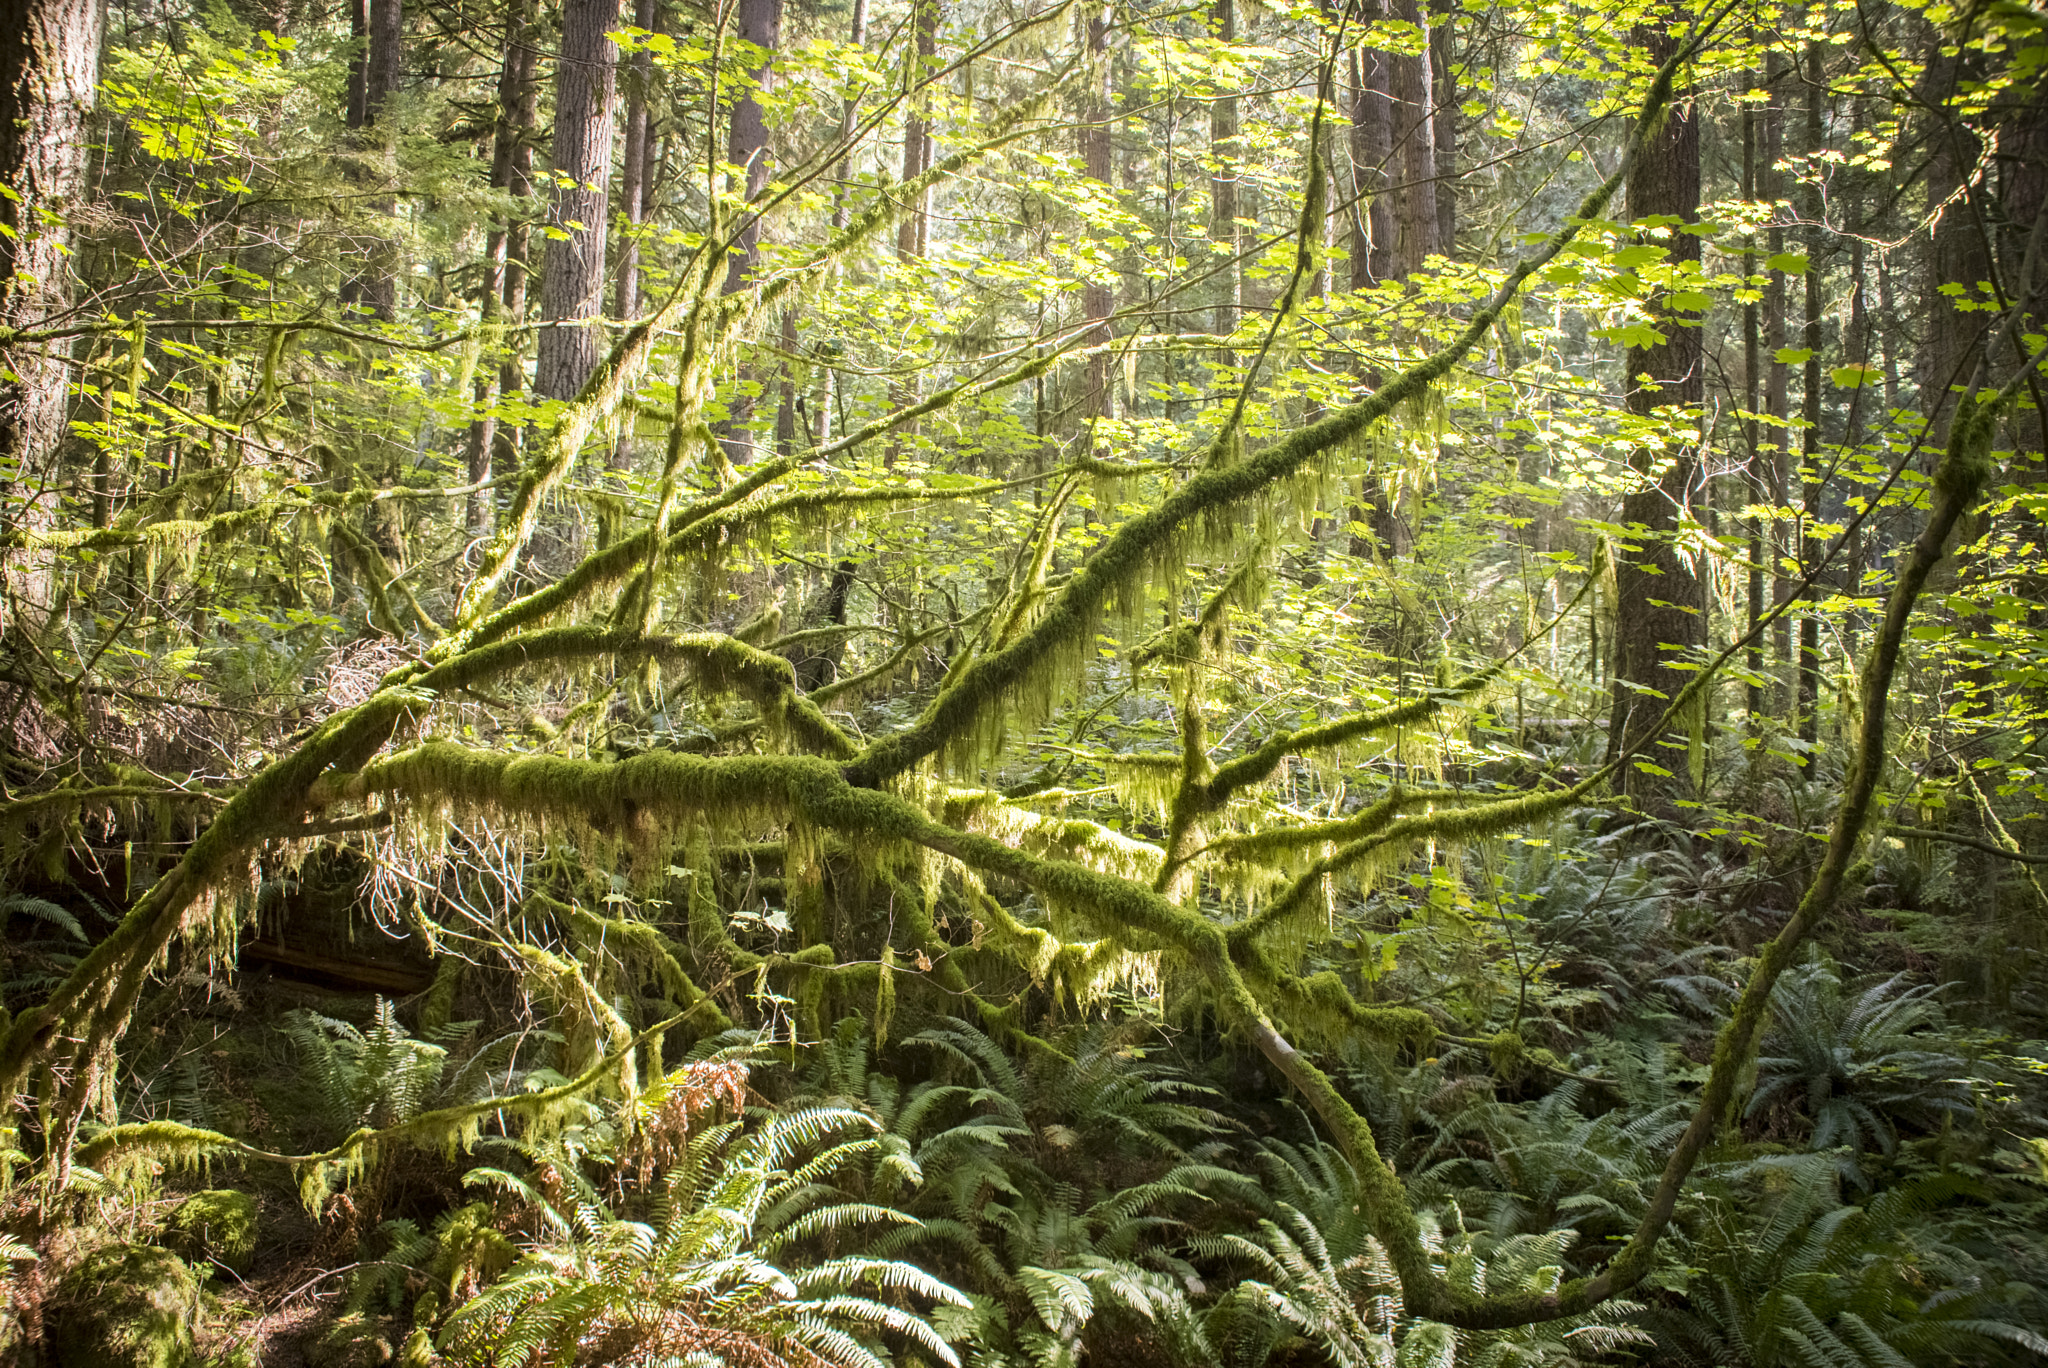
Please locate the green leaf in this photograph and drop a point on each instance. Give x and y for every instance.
(1792, 356)
(1791, 263)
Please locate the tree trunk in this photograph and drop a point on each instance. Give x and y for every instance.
(511, 139)
(760, 24)
(1778, 379)
(1098, 297)
(828, 380)
(633, 182)
(49, 71)
(1417, 221)
(1444, 124)
(1810, 545)
(373, 79)
(1372, 150)
(1659, 615)
(1223, 208)
(1757, 485)
(572, 281)
(510, 438)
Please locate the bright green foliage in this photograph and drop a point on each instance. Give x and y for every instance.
(1069, 680)
(699, 1280)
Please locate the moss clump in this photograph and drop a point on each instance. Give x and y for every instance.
(217, 1226)
(353, 1341)
(124, 1306)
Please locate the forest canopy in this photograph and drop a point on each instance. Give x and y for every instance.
(842, 683)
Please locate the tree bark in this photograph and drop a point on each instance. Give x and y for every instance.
(760, 24)
(1372, 151)
(1811, 208)
(633, 181)
(1444, 125)
(572, 280)
(1757, 485)
(374, 79)
(49, 72)
(1223, 207)
(1417, 222)
(1778, 379)
(1098, 297)
(1659, 617)
(511, 141)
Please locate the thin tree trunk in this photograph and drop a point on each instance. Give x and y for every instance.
(1658, 607)
(373, 80)
(633, 169)
(572, 280)
(1223, 207)
(1098, 297)
(510, 437)
(828, 380)
(1808, 706)
(1444, 124)
(49, 72)
(509, 138)
(760, 24)
(1777, 383)
(1757, 483)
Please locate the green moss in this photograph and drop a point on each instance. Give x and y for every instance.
(215, 1227)
(353, 1341)
(123, 1306)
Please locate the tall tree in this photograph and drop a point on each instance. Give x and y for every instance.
(1812, 210)
(49, 73)
(1372, 149)
(1418, 225)
(1223, 174)
(501, 301)
(1443, 80)
(634, 166)
(573, 277)
(913, 230)
(374, 77)
(1098, 296)
(1659, 613)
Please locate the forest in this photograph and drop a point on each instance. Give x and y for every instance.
(1023, 683)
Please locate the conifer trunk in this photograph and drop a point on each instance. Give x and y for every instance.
(1098, 297)
(1372, 149)
(1444, 125)
(1658, 609)
(511, 140)
(49, 72)
(1810, 545)
(1417, 221)
(1757, 484)
(760, 25)
(572, 280)
(1223, 208)
(634, 165)
(373, 80)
